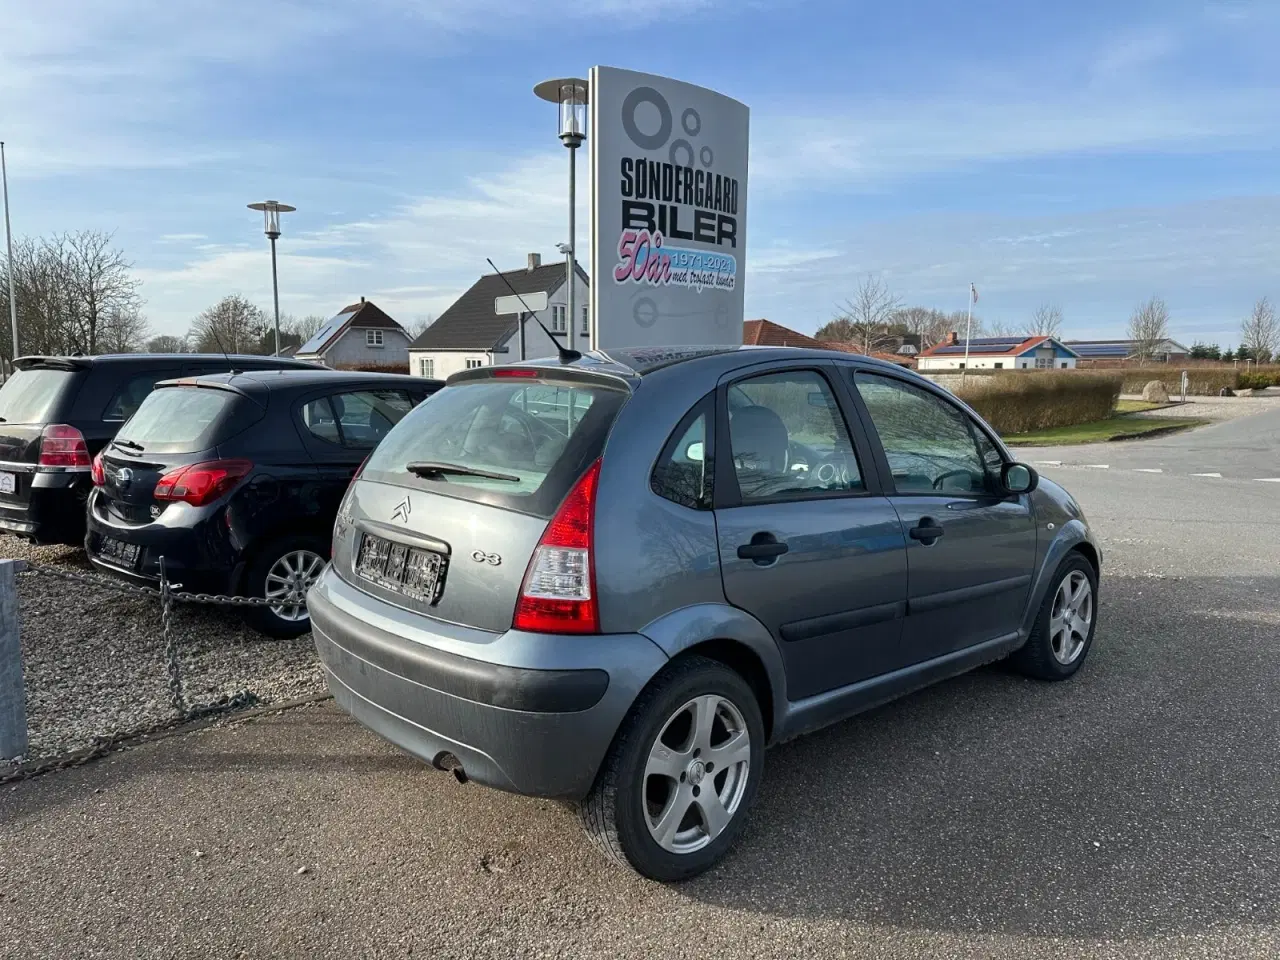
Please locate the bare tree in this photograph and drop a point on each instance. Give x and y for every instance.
(121, 330)
(306, 328)
(1260, 332)
(995, 328)
(1148, 327)
(233, 325)
(101, 290)
(930, 325)
(867, 315)
(1046, 321)
(419, 325)
(167, 343)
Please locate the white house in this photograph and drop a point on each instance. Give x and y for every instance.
(1164, 351)
(999, 353)
(469, 334)
(359, 335)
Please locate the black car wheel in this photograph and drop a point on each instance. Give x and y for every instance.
(1065, 623)
(285, 571)
(675, 789)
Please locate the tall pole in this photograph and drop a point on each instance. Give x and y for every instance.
(275, 293)
(968, 335)
(8, 239)
(573, 238)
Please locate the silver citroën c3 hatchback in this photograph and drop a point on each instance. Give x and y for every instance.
(614, 581)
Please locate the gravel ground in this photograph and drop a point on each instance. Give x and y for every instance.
(93, 657)
(1213, 408)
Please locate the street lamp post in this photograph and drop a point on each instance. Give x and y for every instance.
(570, 94)
(8, 239)
(271, 210)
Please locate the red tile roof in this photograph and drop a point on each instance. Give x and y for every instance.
(766, 333)
(845, 346)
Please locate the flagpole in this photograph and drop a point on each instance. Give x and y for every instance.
(968, 335)
(8, 239)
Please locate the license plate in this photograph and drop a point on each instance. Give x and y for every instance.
(118, 552)
(8, 482)
(409, 571)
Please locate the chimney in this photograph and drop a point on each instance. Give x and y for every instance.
(362, 299)
(952, 339)
(535, 261)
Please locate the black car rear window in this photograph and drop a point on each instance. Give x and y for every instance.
(177, 420)
(540, 434)
(32, 396)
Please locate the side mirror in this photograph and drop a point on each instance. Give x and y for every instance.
(1018, 478)
(694, 451)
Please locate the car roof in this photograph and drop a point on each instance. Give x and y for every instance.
(266, 381)
(643, 361)
(146, 359)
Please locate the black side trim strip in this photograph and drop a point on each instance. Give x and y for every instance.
(936, 601)
(848, 620)
(512, 688)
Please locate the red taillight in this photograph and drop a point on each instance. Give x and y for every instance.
(96, 472)
(515, 372)
(201, 483)
(63, 446)
(559, 592)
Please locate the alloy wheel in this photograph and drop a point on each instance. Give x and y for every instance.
(1071, 617)
(696, 774)
(288, 581)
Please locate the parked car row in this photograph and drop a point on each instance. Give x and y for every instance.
(229, 468)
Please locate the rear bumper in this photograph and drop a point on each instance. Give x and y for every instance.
(529, 713)
(53, 511)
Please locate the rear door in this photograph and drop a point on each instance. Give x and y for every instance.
(970, 549)
(537, 433)
(807, 542)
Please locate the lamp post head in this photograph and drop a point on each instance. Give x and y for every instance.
(572, 96)
(271, 210)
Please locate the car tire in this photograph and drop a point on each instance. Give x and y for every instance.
(1058, 645)
(278, 559)
(663, 727)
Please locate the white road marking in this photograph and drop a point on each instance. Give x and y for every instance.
(1147, 470)
(1215, 475)
(1048, 463)
(1268, 479)
(1098, 466)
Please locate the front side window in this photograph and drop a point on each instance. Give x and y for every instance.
(929, 443)
(788, 438)
(373, 338)
(557, 318)
(684, 473)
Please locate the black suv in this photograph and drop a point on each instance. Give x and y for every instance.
(235, 480)
(57, 412)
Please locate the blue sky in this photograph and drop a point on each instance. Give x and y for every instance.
(1089, 154)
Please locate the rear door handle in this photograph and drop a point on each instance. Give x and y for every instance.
(764, 548)
(927, 531)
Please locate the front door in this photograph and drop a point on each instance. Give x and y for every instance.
(807, 543)
(970, 550)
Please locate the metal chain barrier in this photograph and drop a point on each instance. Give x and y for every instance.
(168, 594)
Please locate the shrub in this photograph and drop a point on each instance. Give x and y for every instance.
(1024, 401)
(1258, 378)
(375, 367)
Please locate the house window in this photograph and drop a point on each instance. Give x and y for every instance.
(1044, 363)
(426, 367)
(960, 366)
(373, 338)
(474, 362)
(586, 321)
(1064, 364)
(999, 366)
(557, 318)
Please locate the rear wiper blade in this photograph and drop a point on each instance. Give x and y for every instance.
(431, 470)
(128, 443)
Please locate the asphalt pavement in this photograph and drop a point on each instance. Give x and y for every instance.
(1130, 813)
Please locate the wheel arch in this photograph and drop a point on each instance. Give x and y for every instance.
(1073, 537)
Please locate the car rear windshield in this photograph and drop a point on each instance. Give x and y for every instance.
(177, 420)
(31, 396)
(536, 437)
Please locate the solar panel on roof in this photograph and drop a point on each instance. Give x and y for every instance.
(324, 333)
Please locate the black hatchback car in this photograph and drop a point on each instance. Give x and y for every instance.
(235, 481)
(57, 412)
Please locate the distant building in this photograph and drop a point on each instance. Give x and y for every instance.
(999, 353)
(469, 334)
(359, 335)
(1103, 353)
(766, 333)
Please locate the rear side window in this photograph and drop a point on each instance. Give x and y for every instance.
(177, 420)
(128, 398)
(685, 471)
(536, 436)
(32, 396)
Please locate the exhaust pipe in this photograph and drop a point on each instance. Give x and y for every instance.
(450, 764)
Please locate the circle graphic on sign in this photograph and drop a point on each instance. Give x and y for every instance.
(645, 312)
(707, 157)
(646, 141)
(676, 147)
(691, 122)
